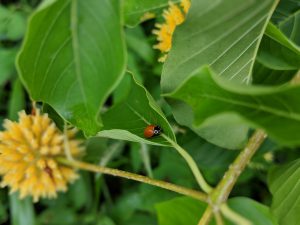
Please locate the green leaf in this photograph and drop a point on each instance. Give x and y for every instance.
(12, 24)
(277, 51)
(255, 212)
(58, 215)
(284, 185)
(16, 101)
(22, 212)
(226, 41)
(7, 66)
(291, 27)
(75, 61)
(284, 10)
(134, 10)
(183, 211)
(266, 76)
(128, 119)
(276, 109)
(224, 34)
(138, 43)
(180, 211)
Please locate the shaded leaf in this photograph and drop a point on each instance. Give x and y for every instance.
(22, 212)
(138, 43)
(276, 110)
(284, 185)
(266, 76)
(12, 24)
(75, 61)
(284, 10)
(128, 119)
(7, 66)
(277, 51)
(16, 101)
(291, 26)
(58, 216)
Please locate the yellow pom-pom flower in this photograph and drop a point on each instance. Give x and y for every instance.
(28, 152)
(173, 16)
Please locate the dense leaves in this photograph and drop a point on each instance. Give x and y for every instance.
(182, 211)
(128, 119)
(284, 185)
(228, 43)
(277, 51)
(74, 63)
(213, 100)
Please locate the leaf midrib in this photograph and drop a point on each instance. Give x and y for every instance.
(75, 48)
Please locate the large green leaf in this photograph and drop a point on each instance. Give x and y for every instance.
(285, 186)
(128, 119)
(183, 211)
(213, 99)
(277, 51)
(226, 35)
(73, 57)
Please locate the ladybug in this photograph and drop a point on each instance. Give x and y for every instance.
(152, 130)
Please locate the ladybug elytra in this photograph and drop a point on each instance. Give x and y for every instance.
(152, 130)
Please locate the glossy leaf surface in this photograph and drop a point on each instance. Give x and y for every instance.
(75, 61)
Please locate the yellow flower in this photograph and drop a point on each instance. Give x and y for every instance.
(173, 16)
(28, 152)
(185, 4)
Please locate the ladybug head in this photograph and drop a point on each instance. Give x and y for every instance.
(157, 130)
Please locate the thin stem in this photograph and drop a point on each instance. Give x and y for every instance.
(219, 218)
(132, 176)
(192, 164)
(222, 191)
(207, 215)
(233, 216)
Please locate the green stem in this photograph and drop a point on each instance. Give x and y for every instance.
(219, 218)
(220, 194)
(222, 191)
(132, 176)
(192, 164)
(207, 215)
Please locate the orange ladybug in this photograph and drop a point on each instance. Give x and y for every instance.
(152, 130)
